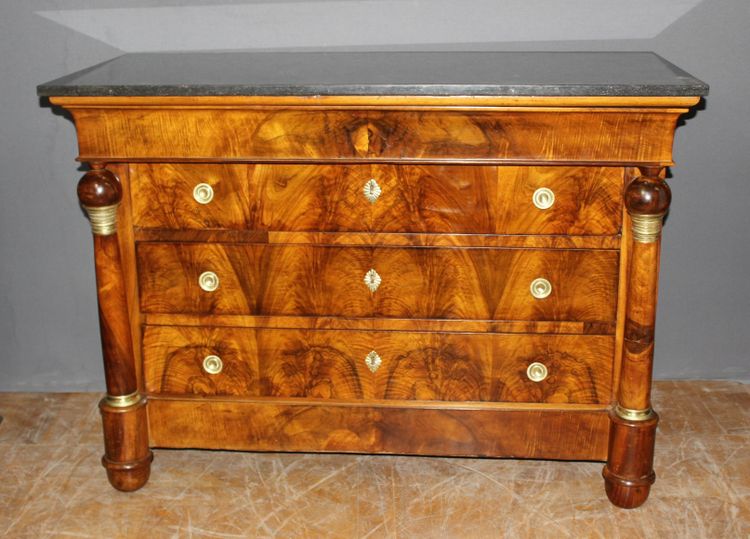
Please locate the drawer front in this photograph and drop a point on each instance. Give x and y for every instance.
(379, 198)
(324, 364)
(442, 283)
(312, 133)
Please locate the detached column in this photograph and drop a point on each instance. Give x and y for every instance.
(127, 457)
(629, 472)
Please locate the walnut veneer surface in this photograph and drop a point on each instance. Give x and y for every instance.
(421, 273)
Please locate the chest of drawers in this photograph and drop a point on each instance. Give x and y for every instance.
(412, 253)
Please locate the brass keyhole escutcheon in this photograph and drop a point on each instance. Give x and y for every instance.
(373, 361)
(372, 280)
(372, 190)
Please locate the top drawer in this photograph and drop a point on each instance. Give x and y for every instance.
(379, 198)
(364, 127)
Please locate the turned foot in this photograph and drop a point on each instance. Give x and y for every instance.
(128, 476)
(127, 457)
(629, 474)
(625, 493)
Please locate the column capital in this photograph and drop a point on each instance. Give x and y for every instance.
(100, 193)
(647, 199)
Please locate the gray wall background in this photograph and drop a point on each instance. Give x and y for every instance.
(48, 325)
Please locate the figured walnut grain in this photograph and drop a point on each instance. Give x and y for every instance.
(307, 426)
(572, 135)
(485, 284)
(414, 198)
(329, 364)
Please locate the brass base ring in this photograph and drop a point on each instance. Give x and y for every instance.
(629, 414)
(123, 401)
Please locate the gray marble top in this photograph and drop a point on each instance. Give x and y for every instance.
(381, 73)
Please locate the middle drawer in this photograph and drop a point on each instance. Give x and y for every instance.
(437, 283)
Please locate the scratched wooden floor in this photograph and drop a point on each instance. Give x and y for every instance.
(51, 483)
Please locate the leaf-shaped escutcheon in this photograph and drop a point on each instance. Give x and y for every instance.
(372, 280)
(373, 361)
(372, 190)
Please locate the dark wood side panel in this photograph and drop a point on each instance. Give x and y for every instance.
(264, 426)
(304, 134)
(414, 198)
(303, 280)
(323, 364)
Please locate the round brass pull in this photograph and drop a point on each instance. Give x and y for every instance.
(203, 193)
(208, 281)
(543, 198)
(537, 372)
(212, 364)
(540, 288)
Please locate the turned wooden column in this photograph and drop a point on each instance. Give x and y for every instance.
(127, 457)
(629, 471)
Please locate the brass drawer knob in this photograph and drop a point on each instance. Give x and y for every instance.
(212, 364)
(203, 193)
(540, 288)
(208, 281)
(373, 361)
(372, 190)
(543, 198)
(372, 280)
(537, 372)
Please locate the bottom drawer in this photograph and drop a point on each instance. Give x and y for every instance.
(486, 430)
(354, 365)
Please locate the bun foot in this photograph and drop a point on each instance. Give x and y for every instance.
(626, 493)
(629, 472)
(128, 476)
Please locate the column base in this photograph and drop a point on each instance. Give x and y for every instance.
(629, 474)
(127, 457)
(625, 493)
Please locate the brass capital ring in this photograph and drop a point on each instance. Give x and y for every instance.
(646, 228)
(103, 219)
